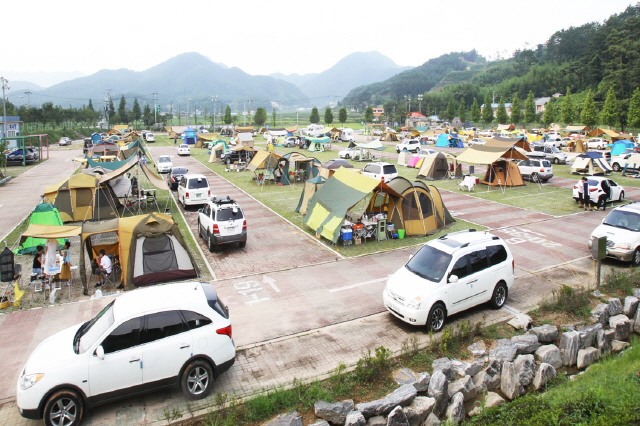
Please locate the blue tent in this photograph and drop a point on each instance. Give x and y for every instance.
(620, 146)
(189, 136)
(443, 140)
(96, 137)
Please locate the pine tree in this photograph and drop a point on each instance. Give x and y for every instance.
(487, 110)
(328, 116)
(342, 115)
(568, 110)
(609, 115)
(475, 111)
(633, 115)
(227, 115)
(451, 110)
(589, 115)
(462, 111)
(314, 118)
(111, 112)
(136, 112)
(90, 107)
(501, 112)
(516, 113)
(549, 115)
(260, 116)
(368, 115)
(530, 109)
(122, 111)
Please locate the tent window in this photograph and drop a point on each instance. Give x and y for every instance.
(104, 238)
(425, 204)
(83, 197)
(379, 200)
(158, 254)
(410, 207)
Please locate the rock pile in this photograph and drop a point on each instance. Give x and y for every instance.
(514, 366)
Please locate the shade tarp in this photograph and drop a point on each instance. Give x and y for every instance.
(576, 128)
(483, 154)
(155, 180)
(51, 231)
(509, 142)
(374, 144)
(263, 160)
(124, 166)
(598, 132)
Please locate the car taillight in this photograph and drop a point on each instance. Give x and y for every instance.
(382, 178)
(186, 195)
(542, 170)
(244, 225)
(593, 189)
(513, 265)
(172, 179)
(209, 193)
(226, 331)
(215, 228)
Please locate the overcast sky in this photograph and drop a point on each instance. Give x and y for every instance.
(263, 37)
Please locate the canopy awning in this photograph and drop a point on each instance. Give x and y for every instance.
(51, 231)
(487, 154)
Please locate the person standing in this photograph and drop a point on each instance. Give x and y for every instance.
(603, 196)
(583, 194)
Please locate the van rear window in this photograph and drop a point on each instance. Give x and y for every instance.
(198, 183)
(228, 214)
(389, 168)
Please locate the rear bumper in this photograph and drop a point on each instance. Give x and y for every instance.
(229, 239)
(224, 366)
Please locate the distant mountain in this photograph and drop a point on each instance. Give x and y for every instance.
(296, 79)
(354, 70)
(39, 79)
(22, 86)
(183, 77)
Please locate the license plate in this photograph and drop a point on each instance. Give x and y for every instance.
(230, 228)
(198, 195)
(392, 307)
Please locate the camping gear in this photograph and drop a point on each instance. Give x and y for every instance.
(43, 214)
(590, 163)
(294, 161)
(401, 234)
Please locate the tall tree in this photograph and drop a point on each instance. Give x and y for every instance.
(568, 109)
(451, 110)
(147, 116)
(501, 112)
(260, 116)
(111, 112)
(90, 106)
(314, 118)
(487, 110)
(550, 112)
(475, 111)
(589, 114)
(530, 108)
(122, 111)
(368, 115)
(633, 115)
(609, 115)
(328, 116)
(342, 115)
(136, 112)
(516, 109)
(227, 116)
(462, 111)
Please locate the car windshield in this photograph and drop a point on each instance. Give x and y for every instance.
(624, 220)
(554, 149)
(90, 331)
(228, 214)
(429, 263)
(198, 183)
(179, 171)
(184, 145)
(164, 160)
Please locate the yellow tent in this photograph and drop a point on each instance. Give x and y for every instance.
(81, 197)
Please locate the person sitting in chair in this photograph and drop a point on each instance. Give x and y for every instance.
(37, 261)
(104, 266)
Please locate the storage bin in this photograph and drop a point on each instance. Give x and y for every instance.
(401, 233)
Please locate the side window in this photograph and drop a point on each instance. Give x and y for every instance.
(612, 183)
(478, 261)
(206, 210)
(535, 163)
(496, 254)
(161, 325)
(524, 163)
(125, 336)
(195, 320)
(460, 268)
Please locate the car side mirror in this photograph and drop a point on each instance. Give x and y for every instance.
(411, 256)
(100, 352)
(453, 279)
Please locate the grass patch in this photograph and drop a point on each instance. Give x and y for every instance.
(574, 301)
(621, 283)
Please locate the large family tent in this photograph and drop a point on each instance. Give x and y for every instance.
(317, 144)
(620, 145)
(388, 137)
(299, 165)
(311, 186)
(419, 211)
(219, 147)
(105, 148)
(329, 168)
(493, 154)
(43, 214)
(189, 136)
(264, 160)
(339, 194)
(434, 167)
(82, 197)
(590, 163)
(503, 173)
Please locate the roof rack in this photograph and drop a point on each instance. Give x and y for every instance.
(223, 200)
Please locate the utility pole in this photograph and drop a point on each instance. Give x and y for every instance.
(28, 92)
(107, 99)
(155, 108)
(5, 87)
(214, 99)
(420, 103)
(250, 100)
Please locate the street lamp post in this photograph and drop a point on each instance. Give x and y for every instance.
(215, 99)
(5, 87)
(420, 103)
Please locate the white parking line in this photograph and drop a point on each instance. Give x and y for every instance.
(347, 287)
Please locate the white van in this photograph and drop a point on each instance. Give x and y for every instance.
(314, 130)
(149, 137)
(346, 135)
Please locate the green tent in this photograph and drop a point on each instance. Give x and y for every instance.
(133, 148)
(43, 214)
(109, 165)
(296, 166)
(317, 144)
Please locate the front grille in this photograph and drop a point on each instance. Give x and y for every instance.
(610, 243)
(397, 298)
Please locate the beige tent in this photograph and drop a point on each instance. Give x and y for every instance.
(434, 167)
(590, 163)
(506, 127)
(214, 158)
(264, 160)
(487, 154)
(503, 173)
(576, 128)
(82, 197)
(389, 137)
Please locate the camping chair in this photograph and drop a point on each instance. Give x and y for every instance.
(467, 183)
(37, 288)
(110, 279)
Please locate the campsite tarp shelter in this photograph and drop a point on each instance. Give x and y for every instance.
(43, 214)
(330, 204)
(576, 128)
(500, 141)
(434, 167)
(311, 186)
(82, 197)
(419, 211)
(294, 161)
(488, 153)
(388, 137)
(620, 145)
(590, 163)
(317, 144)
(598, 132)
(219, 146)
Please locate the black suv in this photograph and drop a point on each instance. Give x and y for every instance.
(239, 156)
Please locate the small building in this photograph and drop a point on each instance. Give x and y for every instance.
(378, 111)
(416, 119)
(13, 129)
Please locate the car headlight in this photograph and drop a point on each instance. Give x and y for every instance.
(624, 246)
(415, 303)
(29, 380)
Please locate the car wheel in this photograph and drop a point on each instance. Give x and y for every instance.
(398, 151)
(242, 244)
(437, 315)
(555, 161)
(199, 229)
(601, 147)
(616, 167)
(210, 244)
(197, 380)
(347, 156)
(499, 295)
(63, 408)
(621, 197)
(535, 178)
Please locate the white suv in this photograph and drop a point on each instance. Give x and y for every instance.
(193, 189)
(596, 143)
(164, 164)
(222, 221)
(411, 145)
(171, 335)
(380, 170)
(622, 229)
(448, 275)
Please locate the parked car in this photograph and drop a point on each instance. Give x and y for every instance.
(222, 221)
(380, 170)
(622, 229)
(476, 141)
(425, 151)
(557, 142)
(290, 141)
(193, 189)
(175, 175)
(64, 141)
(16, 156)
(596, 143)
(411, 145)
(149, 137)
(182, 332)
(349, 152)
(536, 170)
(232, 157)
(552, 153)
(618, 161)
(184, 149)
(164, 164)
(448, 275)
(596, 183)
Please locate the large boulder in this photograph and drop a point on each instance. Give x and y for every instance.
(569, 345)
(335, 412)
(418, 410)
(455, 410)
(439, 390)
(601, 314)
(397, 418)
(586, 357)
(465, 386)
(630, 306)
(618, 346)
(505, 350)
(355, 418)
(432, 420)
(288, 419)
(526, 343)
(615, 306)
(546, 333)
(549, 354)
(588, 335)
(545, 373)
(463, 368)
(602, 344)
(478, 349)
(510, 381)
(377, 421)
(491, 399)
(520, 321)
(401, 396)
(636, 319)
(489, 378)
(621, 325)
(444, 365)
(406, 376)
(526, 368)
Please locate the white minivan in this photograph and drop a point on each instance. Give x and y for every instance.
(448, 275)
(193, 189)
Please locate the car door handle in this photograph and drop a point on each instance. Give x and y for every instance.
(184, 346)
(134, 360)
(471, 282)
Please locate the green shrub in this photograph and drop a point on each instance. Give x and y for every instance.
(569, 300)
